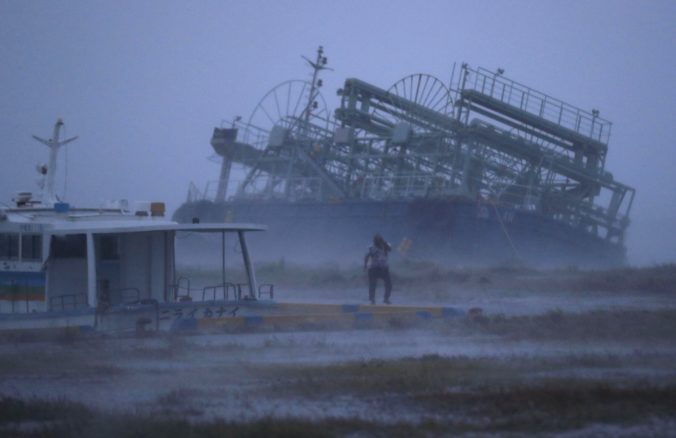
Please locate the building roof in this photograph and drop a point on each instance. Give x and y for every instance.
(116, 227)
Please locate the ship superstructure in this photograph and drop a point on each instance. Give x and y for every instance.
(485, 148)
(62, 265)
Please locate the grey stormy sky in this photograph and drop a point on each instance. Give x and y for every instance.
(143, 83)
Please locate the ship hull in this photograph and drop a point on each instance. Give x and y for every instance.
(455, 232)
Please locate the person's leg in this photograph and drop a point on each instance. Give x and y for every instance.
(373, 278)
(388, 284)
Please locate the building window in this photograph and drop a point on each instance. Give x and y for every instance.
(31, 247)
(109, 248)
(9, 246)
(72, 246)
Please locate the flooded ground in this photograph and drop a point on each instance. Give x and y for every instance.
(580, 362)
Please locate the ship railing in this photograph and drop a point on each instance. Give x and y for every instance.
(237, 290)
(210, 189)
(292, 189)
(194, 193)
(16, 304)
(406, 186)
(517, 95)
(268, 289)
(67, 302)
(182, 292)
(313, 131)
(25, 300)
(19, 298)
(319, 128)
(218, 292)
(213, 290)
(255, 187)
(251, 134)
(223, 289)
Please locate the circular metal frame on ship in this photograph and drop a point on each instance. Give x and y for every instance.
(286, 105)
(425, 90)
(418, 90)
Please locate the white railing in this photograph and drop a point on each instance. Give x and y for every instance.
(542, 105)
(406, 186)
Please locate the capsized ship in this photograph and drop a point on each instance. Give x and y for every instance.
(483, 171)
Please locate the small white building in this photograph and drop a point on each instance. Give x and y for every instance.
(62, 261)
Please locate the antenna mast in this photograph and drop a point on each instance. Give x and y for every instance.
(318, 65)
(48, 195)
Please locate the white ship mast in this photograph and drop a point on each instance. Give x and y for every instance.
(48, 195)
(318, 65)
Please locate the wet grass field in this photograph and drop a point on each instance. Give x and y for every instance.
(561, 353)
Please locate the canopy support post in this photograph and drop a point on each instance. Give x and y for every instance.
(91, 271)
(223, 259)
(251, 275)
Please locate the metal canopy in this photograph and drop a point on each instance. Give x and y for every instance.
(114, 228)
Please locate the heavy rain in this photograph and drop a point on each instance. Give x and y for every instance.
(203, 206)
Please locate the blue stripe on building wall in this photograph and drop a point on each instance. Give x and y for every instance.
(12, 278)
(22, 285)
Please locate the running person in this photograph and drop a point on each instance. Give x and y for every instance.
(378, 268)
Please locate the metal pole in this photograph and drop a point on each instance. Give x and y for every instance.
(222, 190)
(251, 275)
(54, 144)
(223, 258)
(91, 271)
(316, 67)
